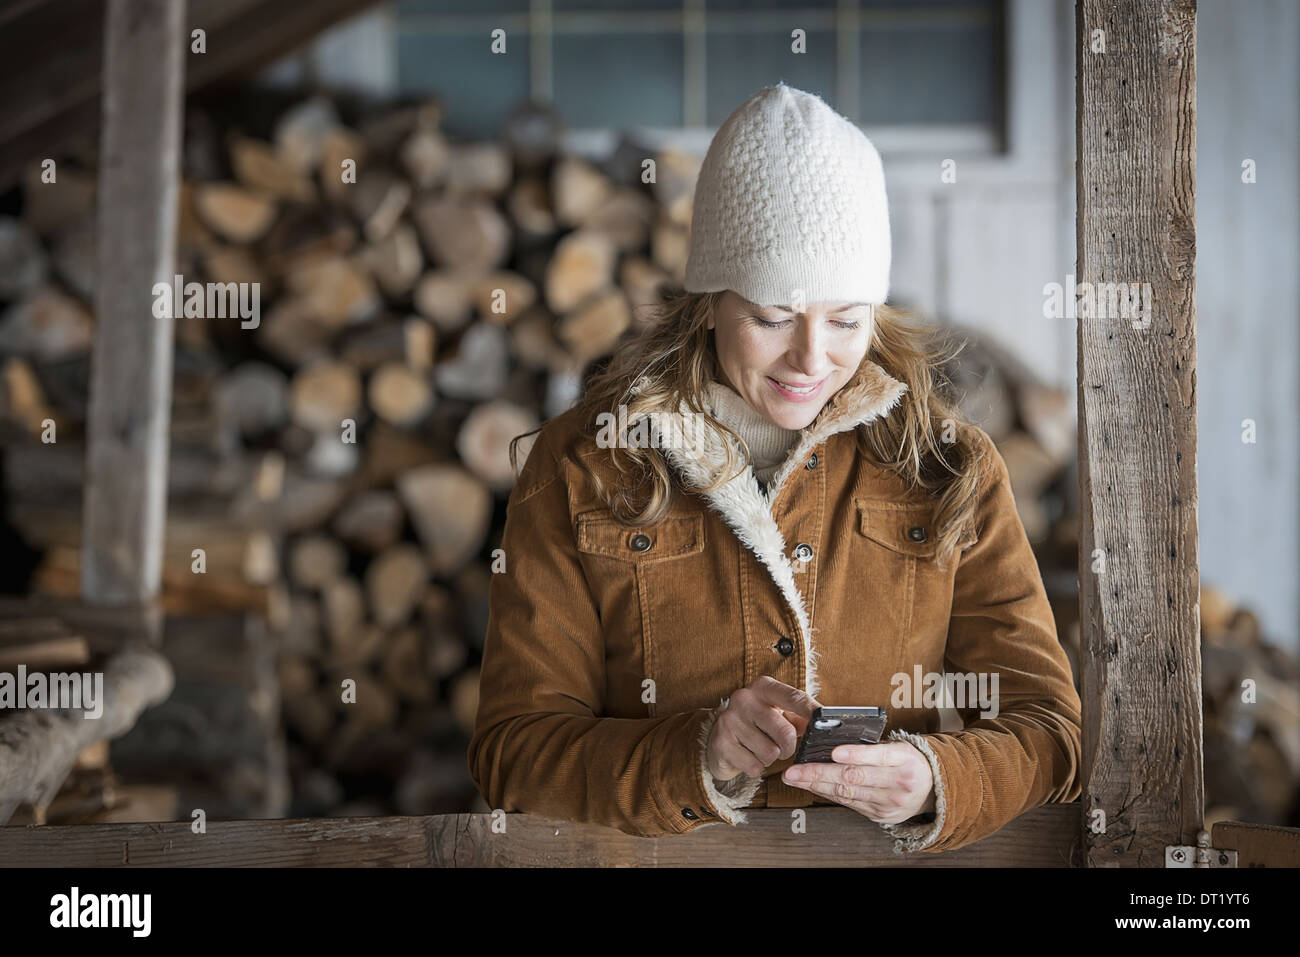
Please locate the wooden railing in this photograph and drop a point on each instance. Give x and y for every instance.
(1048, 836)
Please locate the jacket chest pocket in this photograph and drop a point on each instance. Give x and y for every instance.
(910, 596)
(646, 582)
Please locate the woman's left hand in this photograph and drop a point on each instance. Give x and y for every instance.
(887, 783)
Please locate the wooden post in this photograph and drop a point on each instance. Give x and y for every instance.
(1139, 581)
(130, 386)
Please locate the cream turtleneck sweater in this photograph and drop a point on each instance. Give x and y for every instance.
(769, 444)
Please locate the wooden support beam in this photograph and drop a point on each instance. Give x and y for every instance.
(1139, 611)
(1047, 836)
(131, 365)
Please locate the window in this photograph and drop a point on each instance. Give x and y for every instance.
(901, 68)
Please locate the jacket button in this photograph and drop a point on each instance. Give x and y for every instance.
(708, 812)
(812, 462)
(785, 646)
(803, 552)
(916, 533)
(641, 542)
(689, 814)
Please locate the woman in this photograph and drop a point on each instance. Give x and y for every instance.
(671, 612)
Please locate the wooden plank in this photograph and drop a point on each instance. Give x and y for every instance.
(1258, 845)
(1136, 165)
(131, 365)
(835, 837)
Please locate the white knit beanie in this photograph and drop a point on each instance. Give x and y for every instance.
(790, 206)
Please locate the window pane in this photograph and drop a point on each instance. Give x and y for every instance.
(741, 64)
(461, 6)
(478, 87)
(939, 74)
(617, 80)
(630, 5)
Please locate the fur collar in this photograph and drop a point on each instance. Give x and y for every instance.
(747, 508)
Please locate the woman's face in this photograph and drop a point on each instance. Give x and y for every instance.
(763, 349)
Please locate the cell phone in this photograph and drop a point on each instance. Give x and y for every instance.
(830, 727)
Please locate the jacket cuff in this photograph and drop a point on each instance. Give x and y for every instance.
(917, 834)
(726, 797)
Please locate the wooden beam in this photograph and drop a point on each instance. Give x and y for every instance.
(131, 363)
(58, 88)
(1139, 612)
(836, 837)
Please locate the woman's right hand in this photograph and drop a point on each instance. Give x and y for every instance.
(760, 726)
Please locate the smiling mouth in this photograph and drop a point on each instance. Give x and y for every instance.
(797, 390)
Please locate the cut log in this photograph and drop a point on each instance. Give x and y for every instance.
(55, 654)
(260, 166)
(482, 167)
(502, 296)
(292, 333)
(395, 261)
(231, 264)
(463, 232)
(253, 398)
(529, 205)
(22, 400)
(443, 297)
(324, 394)
(595, 328)
(399, 395)
(235, 213)
(329, 455)
(22, 259)
(669, 247)
(404, 668)
(384, 132)
(47, 326)
(389, 340)
(478, 369)
(445, 654)
(363, 647)
(39, 747)
(340, 146)
(533, 341)
(674, 185)
(484, 441)
(578, 190)
(626, 217)
(451, 510)
(643, 283)
(344, 606)
(335, 290)
(315, 561)
(582, 265)
(378, 200)
(371, 522)
(425, 156)
(300, 134)
(395, 580)
(388, 453)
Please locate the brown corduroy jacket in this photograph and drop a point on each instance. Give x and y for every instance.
(611, 650)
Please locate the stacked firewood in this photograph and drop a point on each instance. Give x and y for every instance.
(341, 456)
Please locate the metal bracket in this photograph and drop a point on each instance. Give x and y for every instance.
(1202, 855)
